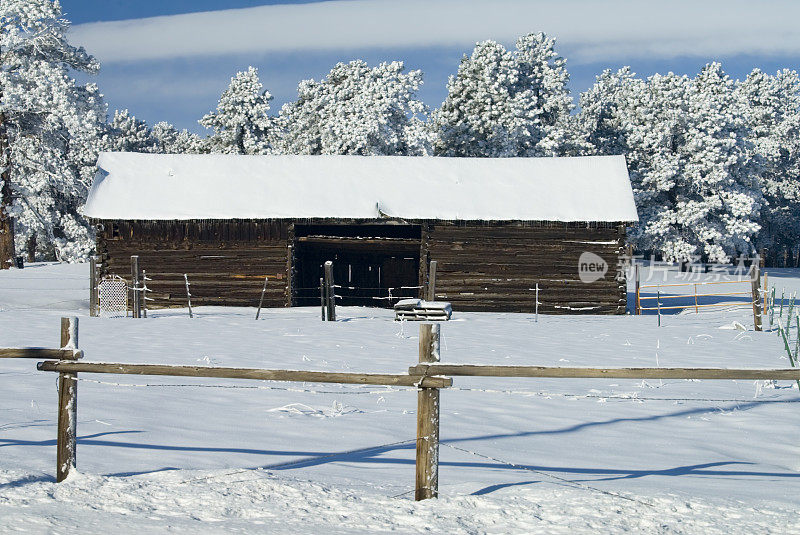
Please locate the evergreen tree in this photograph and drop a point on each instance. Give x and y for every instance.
(170, 140)
(126, 133)
(357, 110)
(241, 124)
(49, 127)
(602, 117)
(481, 116)
(686, 145)
(543, 80)
(503, 104)
(721, 206)
(653, 116)
(771, 108)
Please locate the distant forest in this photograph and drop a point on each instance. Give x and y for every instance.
(714, 162)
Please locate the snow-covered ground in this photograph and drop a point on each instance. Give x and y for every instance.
(517, 455)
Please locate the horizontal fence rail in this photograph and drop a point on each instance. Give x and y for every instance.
(247, 373)
(476, 370)
(39, 353)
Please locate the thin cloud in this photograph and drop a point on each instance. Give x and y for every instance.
(587, 30)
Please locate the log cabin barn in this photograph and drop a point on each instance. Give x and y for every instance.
(496, 227)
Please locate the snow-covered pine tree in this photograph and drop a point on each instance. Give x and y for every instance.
(241, 122)
(356, 109)
(503, 103)
(771, 107)
(602, 118)
(170, 140)
(695, 183)
(721, 204)
(653, 117)
(481, 116)
(126, 133)
(543, 79)
(50, 127)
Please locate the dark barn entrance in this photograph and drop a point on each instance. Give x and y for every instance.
(373, 265)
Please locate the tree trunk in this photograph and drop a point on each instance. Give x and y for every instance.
(32, 248)
(6, 223)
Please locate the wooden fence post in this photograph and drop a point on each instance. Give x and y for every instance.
(427, 473)
(432, 281)
(67, 406)
(137, 307)
(755, 281)
(330, 294)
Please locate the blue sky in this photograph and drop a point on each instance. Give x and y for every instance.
(170, 60)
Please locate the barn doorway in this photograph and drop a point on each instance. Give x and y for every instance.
(373, 265)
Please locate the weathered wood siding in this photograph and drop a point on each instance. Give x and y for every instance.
(226, 260)
(496, 267)
(481, 267)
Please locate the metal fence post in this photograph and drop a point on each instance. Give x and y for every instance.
(137, 305)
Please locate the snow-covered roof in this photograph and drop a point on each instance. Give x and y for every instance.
(221, 186)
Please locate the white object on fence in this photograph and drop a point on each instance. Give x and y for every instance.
(421, 310)
(537, 302)
(112, 297)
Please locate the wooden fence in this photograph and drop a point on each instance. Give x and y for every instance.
(427, 377)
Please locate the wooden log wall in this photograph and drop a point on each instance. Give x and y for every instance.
(481, 267)
(226, 260)
(497, 267)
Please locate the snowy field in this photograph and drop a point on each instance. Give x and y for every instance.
(517, 455)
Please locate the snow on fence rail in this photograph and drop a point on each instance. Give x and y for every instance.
(427, 376)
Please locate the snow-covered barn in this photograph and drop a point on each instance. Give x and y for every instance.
(496, 227)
